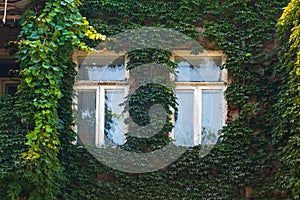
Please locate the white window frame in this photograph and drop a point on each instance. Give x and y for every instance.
(101, 111)
(197, 87)
(197, 118)
(99, 87)
(100, 108)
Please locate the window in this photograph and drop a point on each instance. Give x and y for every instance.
(199, 116)
(198, 69)
(103, 83)
(200, 84)
(8, 86)
(100, 104)
(105, 68)
(101, 86)
(8, 82)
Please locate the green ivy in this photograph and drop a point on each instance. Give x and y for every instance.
(246, 157)
(256, 145)
(47, 40)
(289, 102)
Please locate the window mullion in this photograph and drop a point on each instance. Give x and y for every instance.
(126, 60)
(172, 116)
(100, 116)
(197, 115)
(223, 107)
(126, 114)
(75, 108)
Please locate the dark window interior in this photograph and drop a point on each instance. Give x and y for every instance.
(7, 66)
(11, 89)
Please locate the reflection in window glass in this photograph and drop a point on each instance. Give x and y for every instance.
(87, 117)
(198, 69)
(101, 69)
(184, 120)
(211, 115)
(114, 118)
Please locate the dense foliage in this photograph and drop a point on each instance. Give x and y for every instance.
(242, 165)
(245, 162)
(289, 104)
(47, 40)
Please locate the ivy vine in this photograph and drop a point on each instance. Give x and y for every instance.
(47, 40)
(257, 144)
(289, 101)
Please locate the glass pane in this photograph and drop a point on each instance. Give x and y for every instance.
(198, 69)
(114, 118)
(7, 65)
(211, 115)
(101, 69)
(87, 117)
(184, 119)
(11, 89)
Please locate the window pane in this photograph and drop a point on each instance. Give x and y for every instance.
(184, 119)
(11, 88)
(101, 69)
(211, 115)
(87, 117)
(6, 65)
(198, 69)
(114, 118)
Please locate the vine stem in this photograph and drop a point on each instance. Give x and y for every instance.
(5, 9)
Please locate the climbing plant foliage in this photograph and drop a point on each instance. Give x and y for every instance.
(47, 40)
(289, 127)
(48, 166)
(244, 164)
